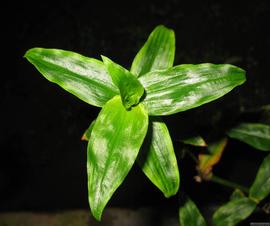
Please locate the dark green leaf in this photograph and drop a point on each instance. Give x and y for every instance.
(189, 215)
(237, 194)
(188, 86)
(260, 188)
(157, 159)
(233, 212)
(255, 134)
(87, 133)
(157, 53)
(86, 78)
(115, 142)
(195, 141)
(130, 88)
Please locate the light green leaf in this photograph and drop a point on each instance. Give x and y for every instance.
(84, 77)
(233, 212)
(188, 86)
(130, 88)
(87, 133)
(189, 215)
(157, 159)
(115, 141)
(260, 188)
(255, 134)
(195, 141)
(157, 53)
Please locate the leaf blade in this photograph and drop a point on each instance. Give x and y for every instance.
(129, 86)
(189, 214)
(87, 133)
(254, 134)
(261, 185)
(158, 160)
(157, 53)
(188, 86)
(231, 213)
(115, 141)
(195, 141)
(81, 76)
(208, 161)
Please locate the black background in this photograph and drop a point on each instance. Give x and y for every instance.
(43, 161)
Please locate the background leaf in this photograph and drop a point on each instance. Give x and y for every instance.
(231, 213)
(207, 161)
(157, 159)
(260, 188)
(188, 86)
(157, 53)
(130, 88)
(255, 134)
(189, 214)
(115, 142)
(87, 133)
(84, 77)
(237, 193)
(195, 141)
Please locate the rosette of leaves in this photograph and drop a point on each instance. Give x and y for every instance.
(130, 102)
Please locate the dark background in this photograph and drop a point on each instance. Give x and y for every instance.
(43, 160)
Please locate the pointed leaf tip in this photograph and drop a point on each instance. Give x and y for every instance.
(157, 159)
(157, 53)
(190, 215)
(129, 86)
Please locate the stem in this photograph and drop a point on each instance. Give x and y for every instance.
(192, 155)
(227, 183)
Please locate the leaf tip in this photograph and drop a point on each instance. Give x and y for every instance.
(84, 137)
(105, 59)
(97, 215)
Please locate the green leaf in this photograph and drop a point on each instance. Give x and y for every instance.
(130, 88)
(157, 53)
(195, 141)
(157, 159)
(87, 133)
(260, 188)
(188, 86)
(255, 134)
(115, 142)
(233, 212)
(84, 77)
(237, 194)
(189, 215)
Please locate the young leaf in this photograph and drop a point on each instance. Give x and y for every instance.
(84, 77)
(87, 133)
(233, 212)
(255, 134)
(189, 215)
(157, 159)
(260, 188)
(130, 88)
(207, 161)
(157, 53)
(237, 194)
(195, 141)
(188, 86)
(116, 138)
